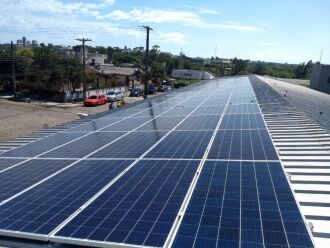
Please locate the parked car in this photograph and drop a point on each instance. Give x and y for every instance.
(136, 92)
(151, 89)
(95, 100)
(115, 95)
(164, 87)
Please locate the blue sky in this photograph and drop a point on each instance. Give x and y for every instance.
(292, 31)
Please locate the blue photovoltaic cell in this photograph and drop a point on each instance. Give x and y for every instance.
(84, 146)
(242, 204)
(40, 146)
(179, 110)
(153, 112)
(44, 207)
(124, 113)
(191, 102)
(26, 174)
(132, 145)
(243, 144)
(243, 108)
(6, 163)
(182, 144)
(128, 124)
(209, 110)
(139, 208)
(94, 125)
(219, 101)
(162, 123)
(242, 121)
(205, 122)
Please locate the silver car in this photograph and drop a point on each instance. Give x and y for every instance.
(115, 95)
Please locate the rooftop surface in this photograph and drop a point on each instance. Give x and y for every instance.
(199, 167)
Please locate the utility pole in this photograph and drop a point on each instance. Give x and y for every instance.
(13, 76)
(83, 40)
(146, 79)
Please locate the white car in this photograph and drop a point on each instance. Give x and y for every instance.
(115, 95)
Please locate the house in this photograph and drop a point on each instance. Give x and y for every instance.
(114, 76)
(91, 58)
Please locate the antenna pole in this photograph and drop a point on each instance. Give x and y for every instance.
(321, 55)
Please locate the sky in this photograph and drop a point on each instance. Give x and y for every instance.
(285, 31)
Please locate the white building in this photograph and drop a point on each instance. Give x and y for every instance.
(192, 74)
(91, 58)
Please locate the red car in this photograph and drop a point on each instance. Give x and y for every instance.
(95, 100)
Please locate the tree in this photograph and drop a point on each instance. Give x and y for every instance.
(24, 52)
(158, 70)
(259, 69)
(154, 52)
(240, 67)
(300, 71)
(308, 69)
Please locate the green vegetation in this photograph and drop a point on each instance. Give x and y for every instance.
(40, 71)
(43, 71)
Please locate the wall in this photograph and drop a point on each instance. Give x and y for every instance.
(321, 78)
(77, 96)
(187, 74)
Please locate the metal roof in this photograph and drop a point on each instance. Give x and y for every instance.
(301, 137)
(196, 167)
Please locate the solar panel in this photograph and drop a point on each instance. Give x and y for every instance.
(132, 145)
(128, 124)
(152, 112)
(162, 123)
(242, 121)
(196, 167)
(37, 147)
(242, 204)
(84, 146)
(6, 163)
(206, 122)
(139, 208)
(243, 108)
(95, 124)
(179, 110)
(243, 145)
(182, 144)
(209, 110)
(26, 174)
(48, 205)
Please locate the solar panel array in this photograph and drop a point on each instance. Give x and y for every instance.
(194, 168)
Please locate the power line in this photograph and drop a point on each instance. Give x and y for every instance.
(83, 40)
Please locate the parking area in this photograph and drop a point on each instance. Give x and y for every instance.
(21, 118)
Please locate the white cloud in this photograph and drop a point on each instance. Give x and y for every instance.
(202, 10)
(154, 16)
(171, 37)
(56, 6)
(237, 27)
(186, 18)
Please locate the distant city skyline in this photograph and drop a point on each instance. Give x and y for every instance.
(289, 31)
